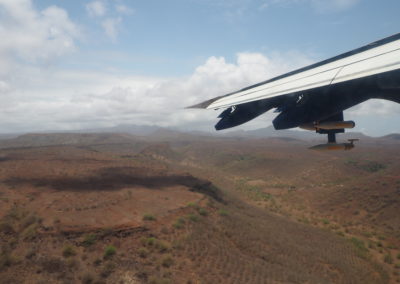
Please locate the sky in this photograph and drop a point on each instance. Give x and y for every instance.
(69, 65)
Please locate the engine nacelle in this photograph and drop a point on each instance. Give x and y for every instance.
(242, 113)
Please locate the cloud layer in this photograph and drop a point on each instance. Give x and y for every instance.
(38, 95)
(110, 19)
(73, 100)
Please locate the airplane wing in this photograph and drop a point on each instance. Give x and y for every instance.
(376, 58)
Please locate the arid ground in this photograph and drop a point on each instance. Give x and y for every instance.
(181, 208)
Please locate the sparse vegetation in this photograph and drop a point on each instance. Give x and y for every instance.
(156, 280)
(108, 268)
(167, 260)
(149, 217)
(143, 252)
(253, 192)
(179, 223)
(193, 217)
(6, 227)
(68, 251)
(149, 241)
(162, 246)
(203, 212)
(30, 232)
(89, 240)
(5, 259)
(155, 244)
(88, 278)
(223, 212)
(369, 166)
(325, 221)
(388, 258)
(192, 204)
(239, 242)
(362, 251)
(109, 252)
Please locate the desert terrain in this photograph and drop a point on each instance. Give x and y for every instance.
(171, 207)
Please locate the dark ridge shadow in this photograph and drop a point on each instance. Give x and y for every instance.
(110, 179)
(4, 158)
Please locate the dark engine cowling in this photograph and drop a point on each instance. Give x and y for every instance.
(242, 113)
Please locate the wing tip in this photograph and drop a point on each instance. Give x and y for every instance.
(205, 104)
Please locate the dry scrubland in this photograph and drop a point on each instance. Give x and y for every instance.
(175, 208)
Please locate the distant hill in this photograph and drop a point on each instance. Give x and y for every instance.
(125, 128)
(268, 132)
(49, 139)
(129, 133)
(394, 136)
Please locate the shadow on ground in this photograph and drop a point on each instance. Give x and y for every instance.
(115, 178)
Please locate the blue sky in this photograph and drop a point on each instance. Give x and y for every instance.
(165, 38)
(85, 64)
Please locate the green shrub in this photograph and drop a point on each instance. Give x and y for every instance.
(109, 251)
(5, 260)
(162, 246)
(68, 251)
(179, 223)
(30, 232)
(87, 278)
(149, 241)
(6, 227)
(149, 217)
(223, 212)
(89, 240)
(108, 268)
(29, 220)
(97, 262)
(143, 252)
(325, 221)
(362, 251)
(72, 262)
(167, 261)
(203, 212)
(372, 166)
(30, 253)
(388, 258)
(193, 217)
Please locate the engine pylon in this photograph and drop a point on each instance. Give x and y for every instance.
(334, 146)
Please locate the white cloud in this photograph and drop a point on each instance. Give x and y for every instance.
(111, 27)
(33, 35)
(96, 9)
(333, 5)
(123, 9)
(53, 99)
(48, 99)
(323, 6)
(375, 107)
(32, 38)
(111, 20)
